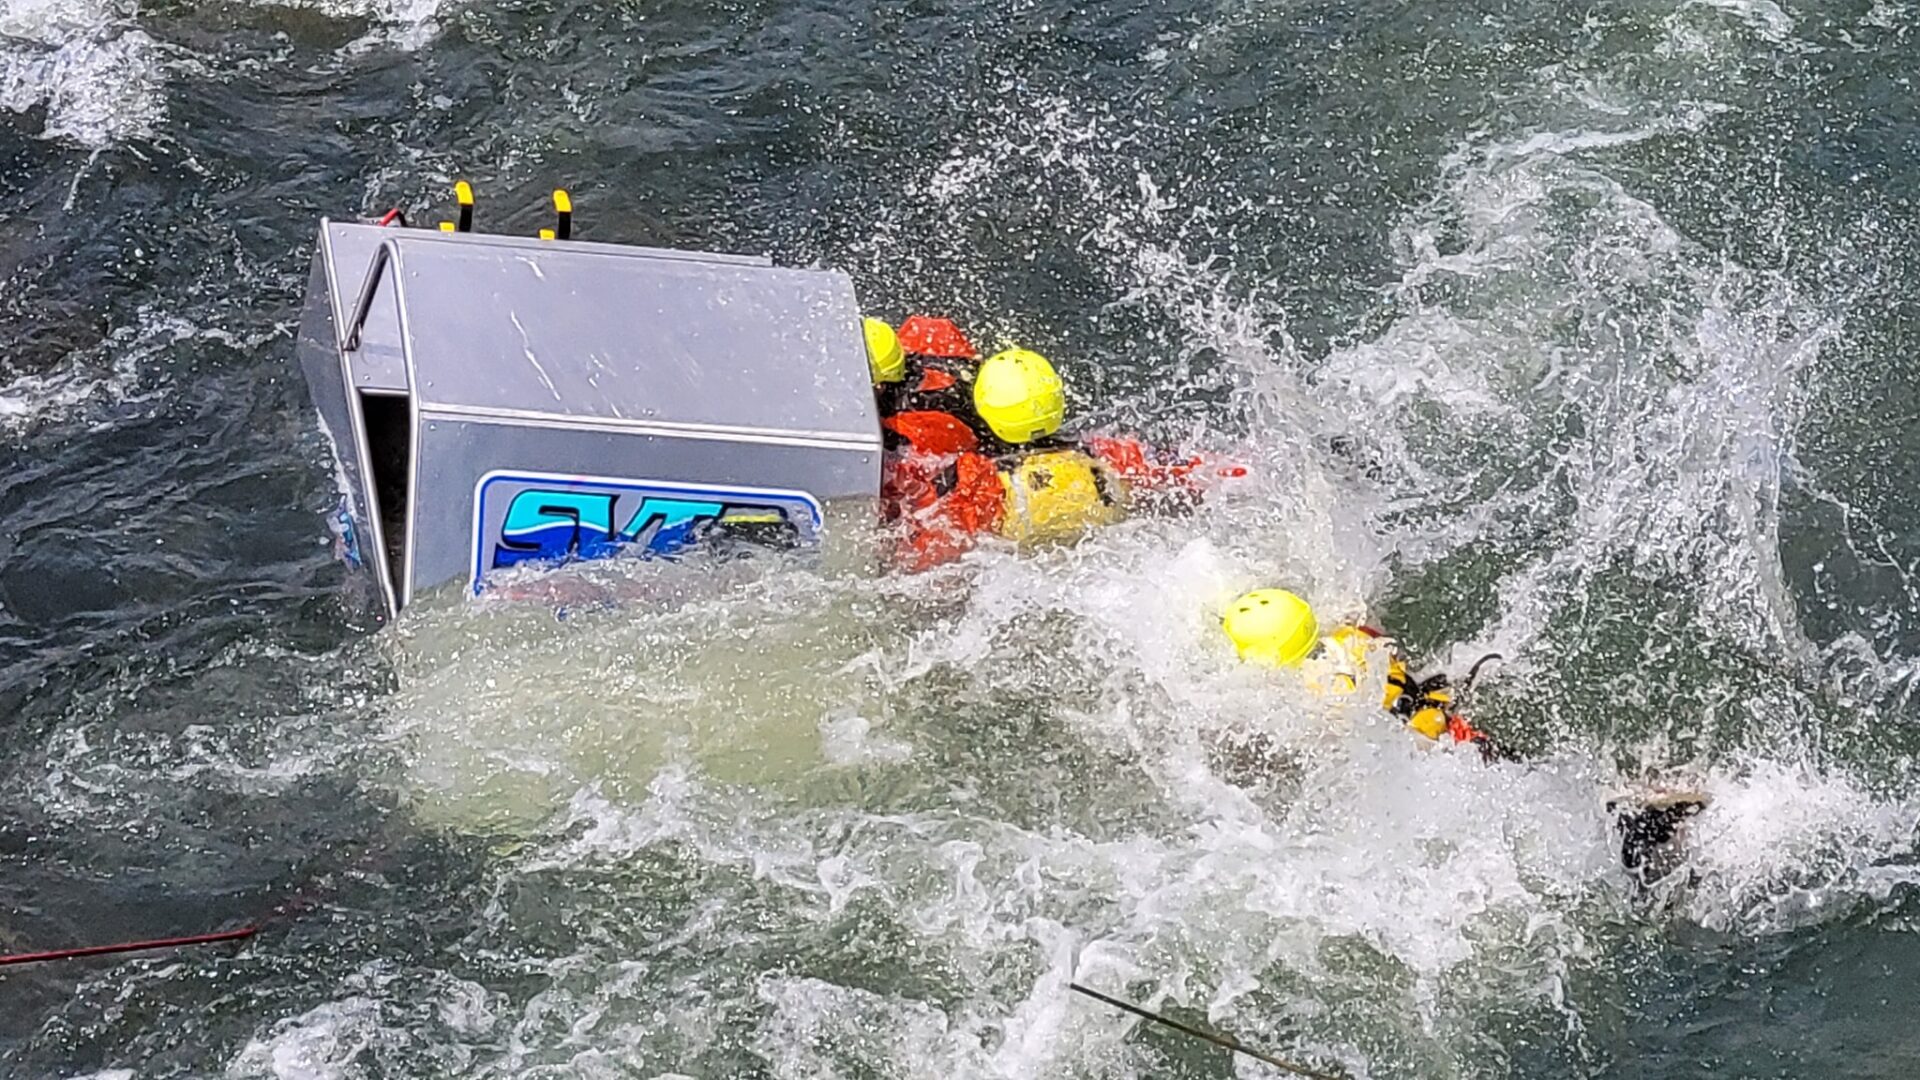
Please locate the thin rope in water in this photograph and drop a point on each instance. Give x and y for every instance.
(1213, 1037)
(130, 946)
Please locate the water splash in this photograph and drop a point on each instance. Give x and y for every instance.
(100, 78)
(1564, 395)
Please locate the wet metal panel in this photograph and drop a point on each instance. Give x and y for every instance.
(622, 336)
(348, 247)
(472, 473)
(353, 527)
(547, 401)
(522, 517)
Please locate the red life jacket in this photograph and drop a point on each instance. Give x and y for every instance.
(924, 335)
(927, 431)
(937, 485)
(1154, 471)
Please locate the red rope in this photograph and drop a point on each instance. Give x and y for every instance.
(130, 946)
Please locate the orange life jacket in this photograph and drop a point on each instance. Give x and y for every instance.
(938, 487)
(929, 431)
(1155, 472)
(924, 335)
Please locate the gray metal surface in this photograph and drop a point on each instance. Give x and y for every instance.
(615, 335)
(348, 250)
(457, 455)
(355, 528)
(661, 388)
(377, 364)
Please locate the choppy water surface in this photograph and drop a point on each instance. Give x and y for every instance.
(1607, 308)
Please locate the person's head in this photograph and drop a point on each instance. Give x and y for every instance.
(886, 361)
(1272, 627)
(1019, 396)
(1057, 496)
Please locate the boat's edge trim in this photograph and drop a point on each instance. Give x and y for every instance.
(479, 414)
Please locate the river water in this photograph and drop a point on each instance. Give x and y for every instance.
(1578, 333)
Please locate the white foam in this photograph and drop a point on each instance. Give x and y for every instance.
(96, 385)
(1682, 414)
(402, 24)
(1785, 844)
(1766, 18)
(324, 1043)
(851, 740)
(1481, 857)
(100, 78)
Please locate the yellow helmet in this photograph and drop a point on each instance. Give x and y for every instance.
(885, 359)
(1019, 395)
(1272, 627)
(1059, 495)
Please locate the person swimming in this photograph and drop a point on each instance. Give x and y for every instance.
(1278, 629)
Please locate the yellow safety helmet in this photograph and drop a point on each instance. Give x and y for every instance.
(1019, 395)
(1272, 627)
(885, 359)
(1059, 495)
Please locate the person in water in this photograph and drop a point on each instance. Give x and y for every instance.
(1276, 628)
(976, 446)
(972, 447)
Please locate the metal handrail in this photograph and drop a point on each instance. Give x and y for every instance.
(362, 307)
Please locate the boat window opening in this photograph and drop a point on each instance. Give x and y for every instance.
(389, 450)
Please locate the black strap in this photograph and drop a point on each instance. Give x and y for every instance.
(1417, 694)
